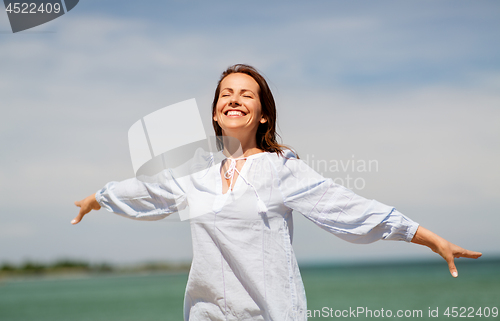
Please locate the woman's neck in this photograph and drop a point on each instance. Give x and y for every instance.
(236, 149)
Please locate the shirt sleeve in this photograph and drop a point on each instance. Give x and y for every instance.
(148, 199)
(337, 209)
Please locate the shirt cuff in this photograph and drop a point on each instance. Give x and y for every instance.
(412, 229)
(99, 197)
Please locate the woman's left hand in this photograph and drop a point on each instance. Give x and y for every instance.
(446, 249)
(86, 205)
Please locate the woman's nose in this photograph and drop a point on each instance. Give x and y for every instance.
(235, 101)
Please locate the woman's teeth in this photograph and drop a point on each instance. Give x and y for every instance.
(235, 113)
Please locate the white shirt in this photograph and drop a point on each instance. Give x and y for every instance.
(244, 267)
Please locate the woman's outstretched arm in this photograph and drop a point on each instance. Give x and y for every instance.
(447, 250)
(86, 205)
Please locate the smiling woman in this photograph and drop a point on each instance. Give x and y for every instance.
(244, 266)
(255, 94)
(238, 106)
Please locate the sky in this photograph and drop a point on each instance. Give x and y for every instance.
(412, 88)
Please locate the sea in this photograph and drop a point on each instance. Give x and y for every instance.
(395, 291)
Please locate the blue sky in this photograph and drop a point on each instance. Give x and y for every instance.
(414, 85)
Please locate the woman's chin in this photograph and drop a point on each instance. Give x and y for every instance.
(235, 129)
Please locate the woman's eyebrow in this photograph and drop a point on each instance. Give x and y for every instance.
(242, 91)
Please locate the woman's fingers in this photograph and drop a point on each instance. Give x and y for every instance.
(85, 205)
(78, 218)
(455, 251)
(81, 213)
(469, 254)
(447, 251)
(453, 268)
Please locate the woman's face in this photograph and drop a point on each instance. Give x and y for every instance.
(238, 110)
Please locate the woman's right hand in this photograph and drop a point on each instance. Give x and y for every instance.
(86, 205)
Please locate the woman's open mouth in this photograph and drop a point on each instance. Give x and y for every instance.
(235, 113)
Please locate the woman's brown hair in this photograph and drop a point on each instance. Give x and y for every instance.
(266, 136)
